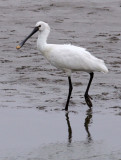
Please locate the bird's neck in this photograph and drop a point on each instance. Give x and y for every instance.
(42, 40)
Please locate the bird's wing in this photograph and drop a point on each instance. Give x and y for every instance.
(73, 58)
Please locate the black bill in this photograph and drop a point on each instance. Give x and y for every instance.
(22, 43)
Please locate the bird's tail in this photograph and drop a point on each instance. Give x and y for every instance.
(103, 67)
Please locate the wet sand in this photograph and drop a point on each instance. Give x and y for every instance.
(33, 93)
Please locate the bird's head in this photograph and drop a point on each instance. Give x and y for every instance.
(40, 26)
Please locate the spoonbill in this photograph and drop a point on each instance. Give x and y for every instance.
(67, 57)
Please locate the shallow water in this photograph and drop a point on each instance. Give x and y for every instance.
(33, 93)
(33, 134)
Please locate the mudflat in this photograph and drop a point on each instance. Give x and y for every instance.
(33, 93)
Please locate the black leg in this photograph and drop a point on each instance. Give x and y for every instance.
(69, 128)
(69, 94)
(87, 97)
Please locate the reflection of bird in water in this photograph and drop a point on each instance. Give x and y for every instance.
(69, 128)
(87, 122)
(68, 58)
(86, 125)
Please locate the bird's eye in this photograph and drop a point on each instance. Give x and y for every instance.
(39, 26)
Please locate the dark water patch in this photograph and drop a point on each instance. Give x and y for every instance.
(8, 82)
(22, 79)
(59, 81)
(113, 39)
(114, 36)
(110, 37)
(41, 92)
(101, 96)
(116, 110)
(13, 30)
(45, 80)
(119, 114)
(41, 107)
(116, 66)
(18, 69)
(22, 107)
(105, 99)
(105, 93)
(102, 35)
(36, 53)
(100, 46)
(2, 38)
(3, 106)
(118, 72)
(102, 9)
(58, 20)
(44, 8)
(102, 84)
(5, 61)
(116, 107)
(59, 4)
(56, 90)
(24, 56)
(78, 84)
(7, 89)
(91, 13)
(95, 42)
(7, 50)
(9, 101)
(62, 39)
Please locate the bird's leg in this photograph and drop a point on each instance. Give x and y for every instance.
(87, 97)
(69, 94)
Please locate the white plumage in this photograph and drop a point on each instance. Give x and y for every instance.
(67, 57)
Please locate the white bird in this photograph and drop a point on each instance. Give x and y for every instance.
(67, 57)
